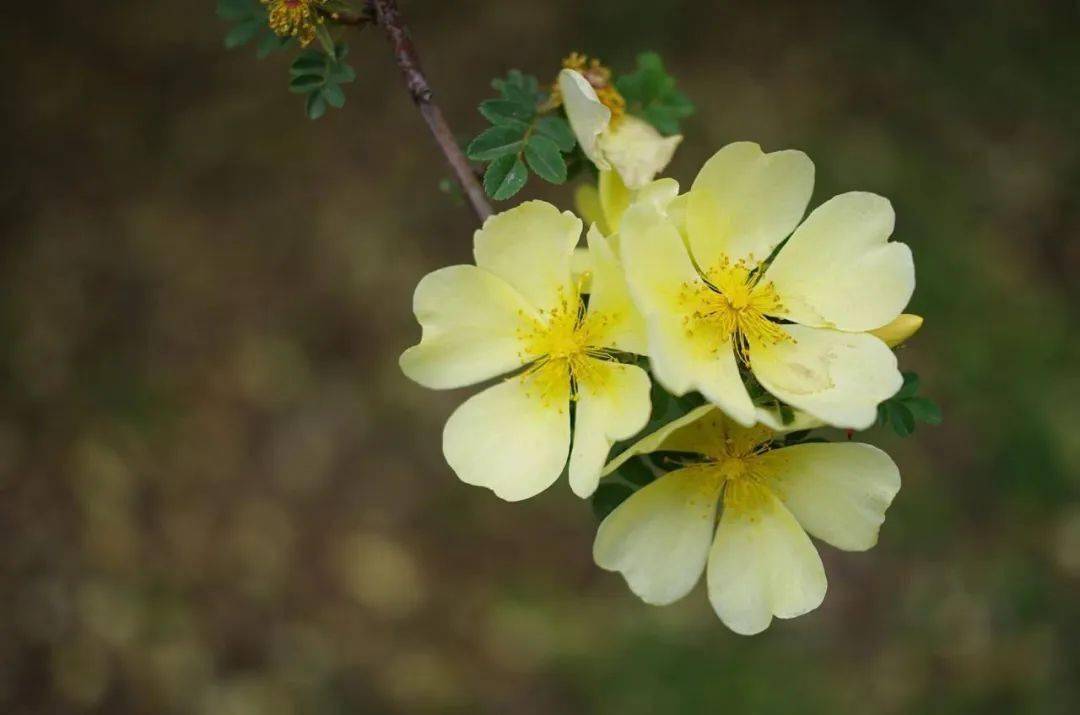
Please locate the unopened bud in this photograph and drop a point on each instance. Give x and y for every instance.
(899, 330)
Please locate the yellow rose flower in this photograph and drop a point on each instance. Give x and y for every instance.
(699, 271)
(519, 307)
(758, 559)
(628, 145)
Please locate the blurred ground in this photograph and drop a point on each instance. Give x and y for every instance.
(218, 495)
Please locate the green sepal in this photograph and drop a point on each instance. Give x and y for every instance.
(636, 471)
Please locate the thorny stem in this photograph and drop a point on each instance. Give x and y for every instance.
(385, 14)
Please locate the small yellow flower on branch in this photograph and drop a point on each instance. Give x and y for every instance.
(612, 139)
(702, 272)
(520, 310)
(741, 510)
(295, 18)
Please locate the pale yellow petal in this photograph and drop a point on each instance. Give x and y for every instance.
(771, 418)
(510, 439)
(589, 208)
(839, 268)
(581, 269)
(655, 260)
(658, 539)
(470, 319)
(685, 362)
(657, 270)
(658, 440)
(744, 202)
(835, 376)
(636, 150)
(613, 404)
(530, 247)
(900, 330)
(614, 198)
(587, 114)
(660, 193)
(676, 211)
(762, 564)
(838, 491)
(620, 325)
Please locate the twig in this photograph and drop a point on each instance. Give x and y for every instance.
(388, 16)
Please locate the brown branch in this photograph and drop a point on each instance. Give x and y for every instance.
(388, 16)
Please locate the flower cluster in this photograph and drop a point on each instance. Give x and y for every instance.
(727, 294)
(295, 18)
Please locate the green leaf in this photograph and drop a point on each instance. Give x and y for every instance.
(544, 158)
(557, 130)
(910, 386)
(495, 142)
(900, 417)
(334, 96)
(251, 23)
(650, 93)
(503, 111)
(635, 471)
(269, 42)
(924, 409)
(342, 72)
(242, 34)
(341, 51)
(316, 105)
(505, 176)
(238, 9)
(607, 497)
(307, 64)
(519, 88)
(306, 83)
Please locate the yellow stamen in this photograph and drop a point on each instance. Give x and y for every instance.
(295, 18)
(734, 468)
(562, 345)
(599, 77)
(731, 307)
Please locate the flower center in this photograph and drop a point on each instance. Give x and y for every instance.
(736, 470)
(294, 18)
(731, 307)
(562, 345)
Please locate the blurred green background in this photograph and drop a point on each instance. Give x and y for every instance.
(218, 495)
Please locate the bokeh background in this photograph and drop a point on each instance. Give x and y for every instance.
(218, 495)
